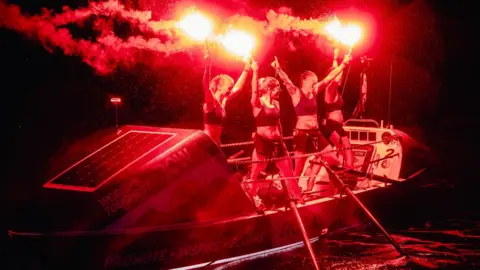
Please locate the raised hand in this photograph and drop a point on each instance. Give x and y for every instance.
(336, 52)
(348, 58)
(248, 61)
(254, 66)
(206, 53)
(275, 63)
(208, 46)
(336, 48)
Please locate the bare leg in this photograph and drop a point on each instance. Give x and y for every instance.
(286, 170)
(331, 157)
(257, 168)
(313, 169)
(342, 142)
(348, 154)
(299, 163)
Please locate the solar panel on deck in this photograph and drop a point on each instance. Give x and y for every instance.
(102, 165)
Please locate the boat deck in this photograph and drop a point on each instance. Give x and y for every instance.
(323, 190)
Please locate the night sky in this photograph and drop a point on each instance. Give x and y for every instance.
(51, 100)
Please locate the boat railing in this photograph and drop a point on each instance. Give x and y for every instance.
(362, 123)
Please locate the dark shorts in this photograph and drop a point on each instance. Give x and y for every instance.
(328, 126)
(269, 148)
(309, 141)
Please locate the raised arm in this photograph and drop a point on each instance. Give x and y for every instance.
(207, 93)
(280, 127)
(333, 74)
(291, 88)
(338, 78)
(336, 51)
(363, 89)
(241, 80)
(255, 97)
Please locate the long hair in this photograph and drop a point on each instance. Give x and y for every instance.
(266, 85)
(219, 80)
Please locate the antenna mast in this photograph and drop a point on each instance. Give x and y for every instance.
(390, 92)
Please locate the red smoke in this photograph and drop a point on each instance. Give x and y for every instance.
(104, 54)
(108, 51)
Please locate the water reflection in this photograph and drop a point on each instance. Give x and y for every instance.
(449, 243)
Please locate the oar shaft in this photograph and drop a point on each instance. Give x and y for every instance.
(338, 182)
(306, 239)
(374, 176)
(374, 220)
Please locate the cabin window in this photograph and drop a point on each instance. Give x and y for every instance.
(363, 136)
(354, 135)
(372, 136)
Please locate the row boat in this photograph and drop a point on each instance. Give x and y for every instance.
(162, 198)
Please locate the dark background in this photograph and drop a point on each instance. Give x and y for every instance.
(51, 100)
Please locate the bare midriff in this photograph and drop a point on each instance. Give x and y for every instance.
(270, 132)
(307, 122)
(335, 115)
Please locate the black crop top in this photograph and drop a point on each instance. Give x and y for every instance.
(215, 116)
(306, 106)
(268, 116)
(335, 106)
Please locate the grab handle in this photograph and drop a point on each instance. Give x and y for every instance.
(361, 122)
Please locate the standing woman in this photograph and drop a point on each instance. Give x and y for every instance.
(307, 136)
(268, 141)
(216, 94)
(332, 121)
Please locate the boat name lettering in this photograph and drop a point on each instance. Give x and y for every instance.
(359, 153)
(390, 153)
(174, 164)
(127, 195)
(377, 157)
(123, 197)
(152, 257)
(204, 248)
(149, 257)
(288, 229)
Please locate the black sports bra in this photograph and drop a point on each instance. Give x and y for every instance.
(335, 106)
(215, 116)
(306, 106)
(268, 117)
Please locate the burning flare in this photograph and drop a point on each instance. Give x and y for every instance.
(196, 26)
(348, 35)
(238, 42)
(108, 50)
(334, 28)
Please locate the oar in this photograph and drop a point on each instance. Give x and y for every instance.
(359, 173)
(306, 240)
(338, 182)
(236, 155)
(383, 178)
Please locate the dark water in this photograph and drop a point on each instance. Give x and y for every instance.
(449, 243)
(442, 231)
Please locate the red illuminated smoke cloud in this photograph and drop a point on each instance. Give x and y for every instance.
(104, 54)
(109, 51)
